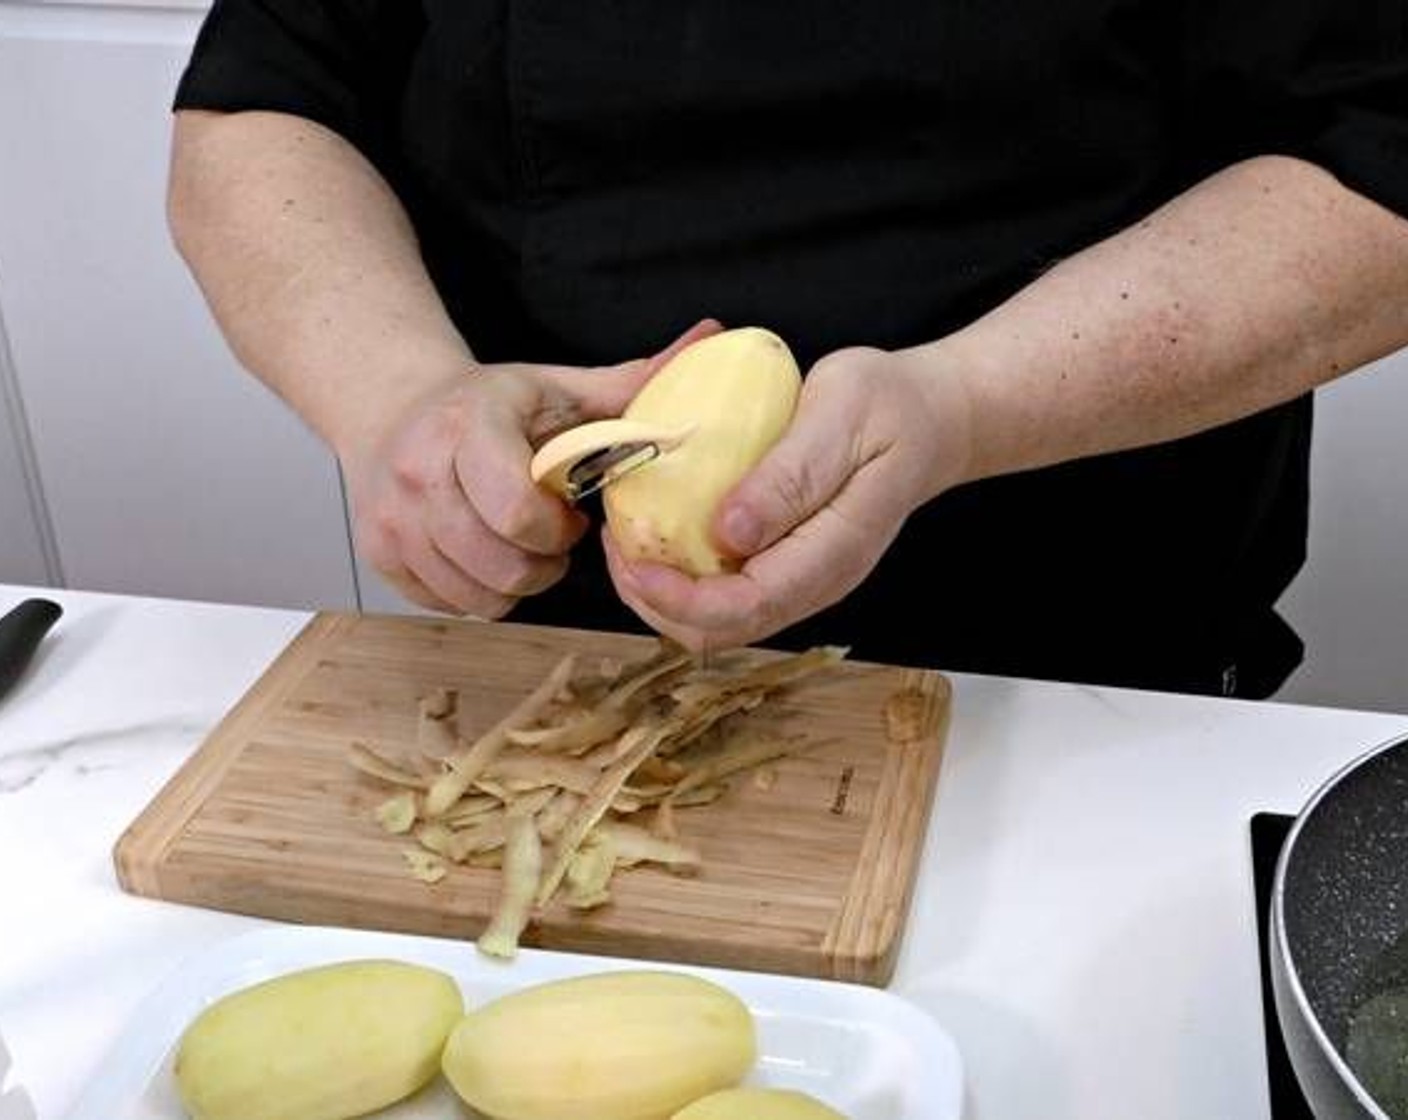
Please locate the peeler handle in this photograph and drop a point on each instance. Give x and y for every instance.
(21, 631)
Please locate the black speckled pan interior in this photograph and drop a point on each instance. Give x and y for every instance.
(1346, 891)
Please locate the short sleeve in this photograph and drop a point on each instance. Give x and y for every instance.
(338, 62)
(1323, 80)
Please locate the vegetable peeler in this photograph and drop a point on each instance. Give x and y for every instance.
(583, 460)
(21, 631)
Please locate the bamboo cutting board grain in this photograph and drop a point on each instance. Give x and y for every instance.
(809, 875)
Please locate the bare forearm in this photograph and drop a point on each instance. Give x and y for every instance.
(311, 268)
(1261, 283)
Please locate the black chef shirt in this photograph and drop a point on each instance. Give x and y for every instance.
(589, 177)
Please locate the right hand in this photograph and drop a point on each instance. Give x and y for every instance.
(442, 503)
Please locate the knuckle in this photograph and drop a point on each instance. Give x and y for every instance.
(384, 524)
(492, 605)
(832, 369)
(505, 574)
(794, 491)
(454, 538)
(770, 613)
(520, 519)
(415, 591)
(472, 547)
(498, 570)
(523, 575)
(510, 506)
(410, 470)
(377, 537)
(847, 362)
(435, 603)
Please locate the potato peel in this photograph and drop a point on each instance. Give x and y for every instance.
(435, 724)
(425, 866)
(398, 814)
(376, 765)
(645, 740)
(467, 764)
(634, 845)
(549, 795)
(589, 871)
(522, 865)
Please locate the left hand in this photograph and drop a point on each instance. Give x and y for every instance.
(876, 435)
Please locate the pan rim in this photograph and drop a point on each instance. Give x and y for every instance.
(1278, 920)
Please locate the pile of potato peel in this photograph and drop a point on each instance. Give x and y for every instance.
(584, 775)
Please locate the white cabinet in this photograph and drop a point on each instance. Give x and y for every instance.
(166, 470)
(23, 555)
(1351, 601)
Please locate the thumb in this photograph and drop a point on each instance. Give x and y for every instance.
(799, 476)
(605, 392)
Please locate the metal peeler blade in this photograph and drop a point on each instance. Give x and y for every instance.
(590, 474)
(581, 460)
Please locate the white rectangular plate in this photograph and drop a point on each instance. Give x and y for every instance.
(865, 1052)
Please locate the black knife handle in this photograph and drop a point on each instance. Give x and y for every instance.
(21, 631)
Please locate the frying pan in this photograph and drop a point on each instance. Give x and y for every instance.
(1339, 948)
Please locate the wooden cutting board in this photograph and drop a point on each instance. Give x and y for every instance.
(809, 875)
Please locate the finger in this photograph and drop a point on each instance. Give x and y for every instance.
(491, 472)
(411, 589)
(602, 393)
(717, 612)
(464, 593)
(802, 472)
(492, 461)
(814, 566)
(508, 503)
(692, 639)
(377, 536)
(460, 535)
(696, 641)
(649, 367)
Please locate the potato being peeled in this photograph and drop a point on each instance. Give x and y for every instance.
(758, 1104)
(739, 390)
(712, 412)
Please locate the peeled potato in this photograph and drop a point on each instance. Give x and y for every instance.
(321, 1044)
(758, 1104)
(738, 390)
(610, 1046)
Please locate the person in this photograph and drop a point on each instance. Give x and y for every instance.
(1063, 277)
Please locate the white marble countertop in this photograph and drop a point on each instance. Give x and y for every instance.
(1084, 925)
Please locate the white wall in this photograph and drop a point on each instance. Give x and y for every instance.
(1351, 601)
